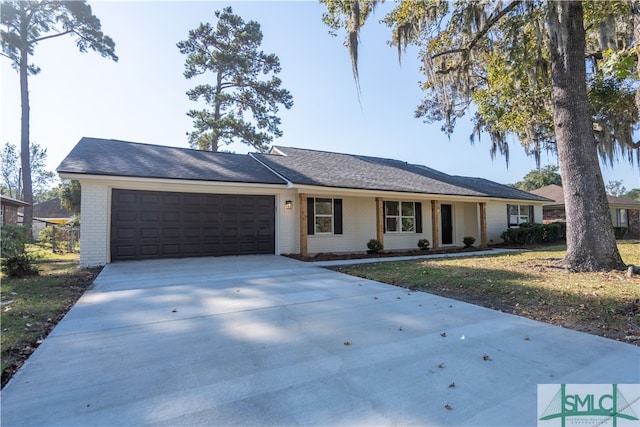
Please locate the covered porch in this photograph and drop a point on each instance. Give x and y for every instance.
(397, 221)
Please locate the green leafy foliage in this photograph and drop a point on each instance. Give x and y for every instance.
(41, 178)
(424, 244)
(28, 23)
(496, 56)
(61, 238)
(70, 194)
(634, 194)
(240, 105)
(14, 238)
(375, 245)
(539, 178)
(16, 262)
(615, 188)
(468, 241)
(534, 233)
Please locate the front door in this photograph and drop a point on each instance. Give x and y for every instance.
(446, 212)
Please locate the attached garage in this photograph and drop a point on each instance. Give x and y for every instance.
(160, 224)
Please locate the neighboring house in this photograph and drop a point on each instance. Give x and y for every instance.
(625, 212)
(143, 201)
(49, 212)
(10, 208)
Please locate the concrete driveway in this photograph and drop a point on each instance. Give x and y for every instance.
(266, 340)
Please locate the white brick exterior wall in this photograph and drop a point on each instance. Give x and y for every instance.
(94, 223)
(359, 221)
(400, 241)
(497, 222)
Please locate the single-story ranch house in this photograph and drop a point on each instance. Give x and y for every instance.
(142, 201)
(624, 212)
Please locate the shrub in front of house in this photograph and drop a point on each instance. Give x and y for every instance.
(15, 261)
(374, 246)
(534, 233)
(424, 244)
(619, 232)
(468, 241)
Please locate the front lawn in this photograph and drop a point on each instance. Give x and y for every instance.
(530, 284)
(32, 306)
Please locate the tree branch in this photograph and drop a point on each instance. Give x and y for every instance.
(6, 56)
(447, 52)
(482, 32)
(51, 36)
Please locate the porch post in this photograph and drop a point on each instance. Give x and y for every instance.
(379, 220)
(483, 224)
(435, 223)
(303, 225)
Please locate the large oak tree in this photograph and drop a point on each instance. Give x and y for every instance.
(523, 65)
(25, 24)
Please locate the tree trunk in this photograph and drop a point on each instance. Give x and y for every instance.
(216, 116)
(635, 10)
(591, 244)
(25, 149)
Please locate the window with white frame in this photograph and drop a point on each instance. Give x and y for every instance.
(621, 218)
(519, 214)
(399, 217)
(323, 216)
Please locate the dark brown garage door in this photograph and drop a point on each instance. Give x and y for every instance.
(153, 224)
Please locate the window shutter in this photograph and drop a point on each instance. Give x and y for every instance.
(384, 217)
(418, 213)
(337, 216)
(311, 219)
(508, 217)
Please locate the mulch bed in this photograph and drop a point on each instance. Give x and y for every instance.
(384, 254)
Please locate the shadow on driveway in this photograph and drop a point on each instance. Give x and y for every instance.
(267, 340)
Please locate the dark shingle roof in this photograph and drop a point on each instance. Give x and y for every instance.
(556, 194)
(110, 157)
(51, 209)
(310, 167)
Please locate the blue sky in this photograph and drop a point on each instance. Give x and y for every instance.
(142, 97)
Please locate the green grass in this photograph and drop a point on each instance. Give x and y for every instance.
(531, 284)
(32, 306)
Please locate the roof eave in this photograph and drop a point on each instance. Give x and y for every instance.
(305, 188)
